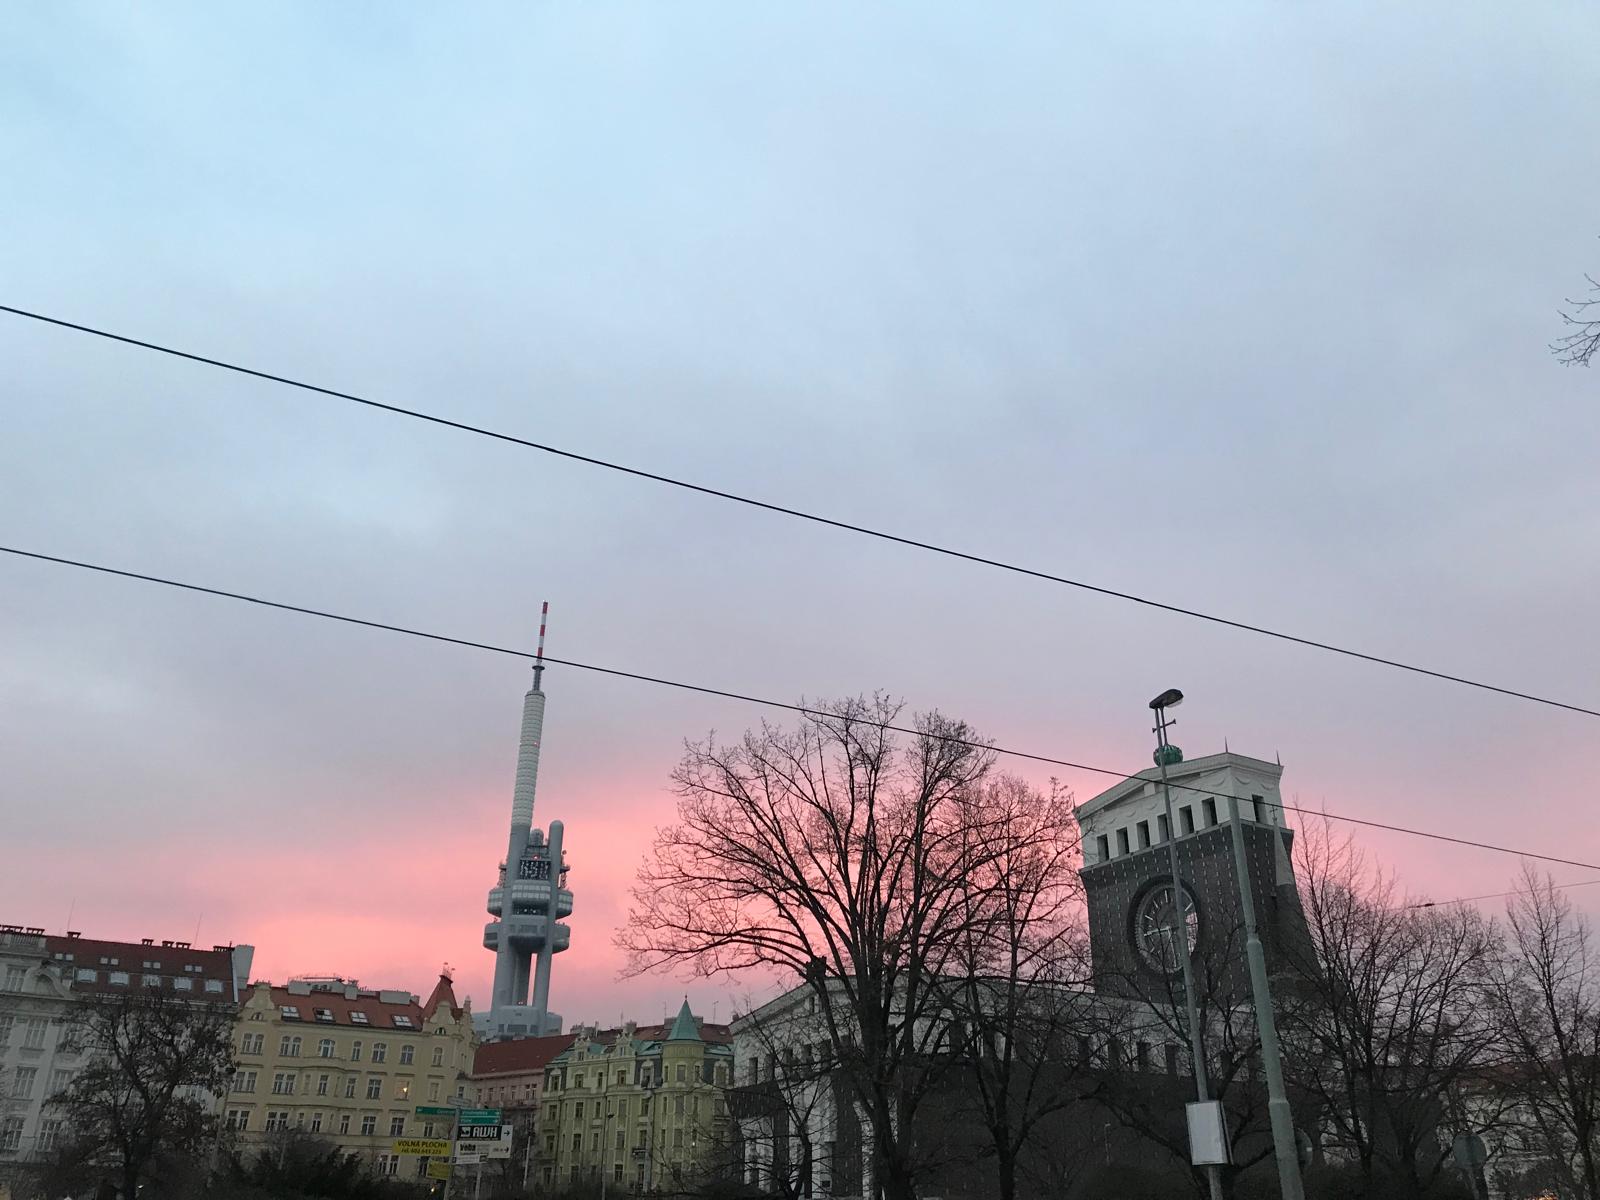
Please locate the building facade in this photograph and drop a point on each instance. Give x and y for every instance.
(42, 976)
(645, 1109)
(350, 1064)
(1133, 921)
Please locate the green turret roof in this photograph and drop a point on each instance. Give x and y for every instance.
(684, 1028)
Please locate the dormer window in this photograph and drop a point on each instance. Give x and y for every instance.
(324, 1014)
(401, 1021)
(357, 1017)
(291, 1012)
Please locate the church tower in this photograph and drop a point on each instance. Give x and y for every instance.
(1133, 917)
(530, 895)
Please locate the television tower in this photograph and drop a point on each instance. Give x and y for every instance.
(531, 894)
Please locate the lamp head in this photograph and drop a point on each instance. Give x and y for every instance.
(1170, 698)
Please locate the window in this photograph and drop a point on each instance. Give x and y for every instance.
(118, 978)
(621, 1139)
(369, 1125)
(15, 977)
(438, 1056)
(577, 1111)
(1102, 845)
(1143, 828)
(323, 1014)
(22, 1081)
(1161, 828)
(283, 1083)
(1122, 841)
(288, 1047)
(290, 1012)
(407, 1055)
(276, 1120)
(577, 1080)
(357, 1017)
(401, 1021)
(316, 1122)
(577, 1143)
(622, 1110)
(11, 1134)
(683, 1073)
(251, 1043)
(182, 983)
(152, 981)
(86, 975)
(1186, 819)
(380, 1051)
(1141, 1055)
(1208, 806)
(1259, 809)
(60, 1081)
(402, 1089)
(49, 1133)
(677, 1105)
(374, 1086)
(616, 1173)
(33, 1030)
(325, 1048)
(355, 1051)
(214, 986)
(350, 1088)
(1172, 1058)
(322, 1084)
(344, 1122)
(677, 1139)
(433, 1089)
(244, 1081)
(397, 1126)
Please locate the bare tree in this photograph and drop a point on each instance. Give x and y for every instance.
(1388, 1015)
(1582, 318)
(1547, 1002)
(838, 852)
(145, 1100)
(1020, 997)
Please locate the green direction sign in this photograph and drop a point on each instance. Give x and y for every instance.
(478, 1116)
(434, 1110)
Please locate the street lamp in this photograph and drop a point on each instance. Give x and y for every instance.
(1178, 912)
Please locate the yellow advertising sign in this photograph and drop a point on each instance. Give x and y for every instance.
(422, 1146)
(438, 1170)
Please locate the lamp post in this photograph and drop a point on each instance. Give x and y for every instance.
(1179, 938)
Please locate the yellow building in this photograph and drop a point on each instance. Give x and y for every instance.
(645, 1109)
(349, 1064)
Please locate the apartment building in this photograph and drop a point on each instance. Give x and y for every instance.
(643, 1109)
(42, 976)
(351, 1064)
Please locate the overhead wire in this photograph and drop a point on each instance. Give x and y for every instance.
(803, 515)
(766, 702)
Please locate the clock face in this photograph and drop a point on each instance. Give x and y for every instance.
(1161, 932)
(533, 868)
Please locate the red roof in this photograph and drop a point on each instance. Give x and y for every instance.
(335, 1008)
(164, 960)
(520, 1056)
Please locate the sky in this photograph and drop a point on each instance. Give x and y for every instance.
(1241, 307)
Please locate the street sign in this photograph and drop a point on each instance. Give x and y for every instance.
(435, 1110)
(480, 1143)
(428, 1146)
(438, 1169)
(478, 1116)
